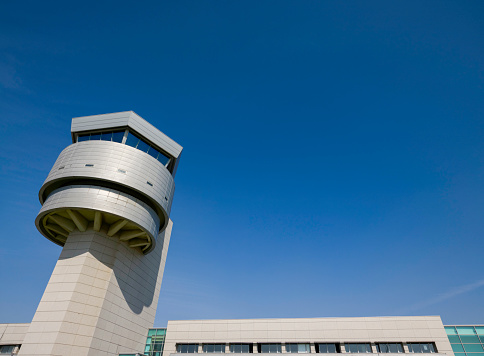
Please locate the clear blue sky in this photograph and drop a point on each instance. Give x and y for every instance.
(333, 161)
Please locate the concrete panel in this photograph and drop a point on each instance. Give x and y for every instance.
(105, 302)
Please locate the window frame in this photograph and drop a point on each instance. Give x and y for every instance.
(358, 344)
(204, 346)
(379, 350)
(250, 346)
(431, 344)
(308, 347)
(278, 345)
(196, 346)
(337, 347)
(161, 155)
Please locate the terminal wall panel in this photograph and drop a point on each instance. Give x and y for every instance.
(315, 330)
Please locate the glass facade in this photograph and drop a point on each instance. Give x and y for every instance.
(155, 342)
(115, 136)
(136, 142)
(131, 140)
(466, 340)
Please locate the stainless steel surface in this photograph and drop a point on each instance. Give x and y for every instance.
(110, 185)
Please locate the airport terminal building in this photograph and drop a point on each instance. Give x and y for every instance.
(374, 335)
(107, 202)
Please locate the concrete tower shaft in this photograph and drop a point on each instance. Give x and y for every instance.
(118, 173)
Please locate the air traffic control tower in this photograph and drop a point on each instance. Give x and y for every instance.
(107, 201)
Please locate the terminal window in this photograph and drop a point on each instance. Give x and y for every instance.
(298, 348)
(394, 348)
(214, 348)
(328, 348)
(270, 348)
(187, 348)
(421, 347)
(358, 348)
(241, 348)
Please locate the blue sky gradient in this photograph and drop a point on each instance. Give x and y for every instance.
(333, 161)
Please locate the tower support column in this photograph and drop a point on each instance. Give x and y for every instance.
(101, 298)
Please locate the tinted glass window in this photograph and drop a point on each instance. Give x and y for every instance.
(383, 348)
(393, 348)
(358, 348)
(241, 348)
(469, 339)
(211, 348)
(421, 347)
(292, 348)
(163, 159)
(132, 140)
(454, 339)
(84, 137)
(456, 348)
(327, 348)
(106, 136)
(143, 146)
(450, 330)
(118, 136)
(297, 348)
(187, 348)
(7, 349)
(473, 348)
(153, 152)
(465, 330)
(271, 348)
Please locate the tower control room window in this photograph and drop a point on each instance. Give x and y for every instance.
(114, 136)
(393, 348)
(131, 140)
(214, 348)
(328, 348)
(270, 348)
(358, 348)
(422, 347)
(136, 142)
(241, 348)
(187, 348)
(298, 348)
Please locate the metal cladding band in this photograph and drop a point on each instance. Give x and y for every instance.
(82, 207)
(116, 166)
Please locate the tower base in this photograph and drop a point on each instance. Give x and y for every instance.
(100, 299)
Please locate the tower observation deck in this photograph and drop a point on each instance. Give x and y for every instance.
(118, 174)
(107, 201)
